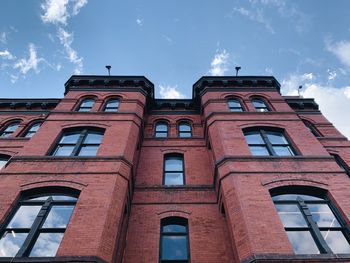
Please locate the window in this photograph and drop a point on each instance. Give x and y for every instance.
(260, 105)
(32, 130)
(312, 224)
(3, 160)
(341, 164)
(235, 105)
(173, 170)
(79, 143)
(112, 105)
(311, 128)
(37, 226)
(161, 130)
(86, 105)
(174, 241)
(266, 142)
(185, 130)
(10, 129)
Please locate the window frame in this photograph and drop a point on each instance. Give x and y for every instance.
(4, 158)
(174, 220)
(9, 134)
(180, 133)
(174, 155)
(234, 108)
(29, 129)
(263, 133)
(37, 228)
(341, 163)
(161, 132)
(312, 227)
(82, 108)
(312, 128)
(266, 107)
(112, 109)
(83, 133)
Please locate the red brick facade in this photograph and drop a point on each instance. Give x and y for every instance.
(122, 200)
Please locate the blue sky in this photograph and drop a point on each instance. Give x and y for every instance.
(174, 43)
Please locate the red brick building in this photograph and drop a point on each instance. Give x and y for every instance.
(108, 173)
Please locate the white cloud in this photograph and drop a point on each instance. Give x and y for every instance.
(333, 102)
(139, 22)
(341, 50)
(170, 92)
(7, 55)
(256, 15)
(66, 40)
(332, 74)
(32, 63)
(3, 37)
(220, 63)
(170, 41)
(78, 5)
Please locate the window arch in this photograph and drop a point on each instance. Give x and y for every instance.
(10, 129)
(86, 105)
(312, 128)
(3, 160)
(161, 129)
(264, 141)
(33, 129)
(112, 105)
(312, 223)
(174, 240)
(79, 142)
(184, 129)
(174, 169)
(260, 105)
(235, 105)
(37, 225)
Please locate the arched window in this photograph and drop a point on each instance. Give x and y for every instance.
(311, 128)
(10, 129)
(260, 105)
(161, 130)
(86, 105)
(33, 129)
(312, 224)
(112, 105)
(3, 160)
(264, 142)
(37, 226)
(184, 129)
(173, 170)
(235, 105)
(174, 240)
(83, 142)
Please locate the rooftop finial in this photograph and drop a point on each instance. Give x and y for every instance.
(237, 69)
(108, 67)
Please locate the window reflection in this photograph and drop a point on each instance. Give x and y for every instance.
(173, 170)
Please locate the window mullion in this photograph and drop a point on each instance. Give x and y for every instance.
(267, 143)
(79, 143)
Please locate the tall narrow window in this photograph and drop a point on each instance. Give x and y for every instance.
(174, 241)
(266, 142)
(312, 224)
(173, 170)
(86, 105)
(37, 226)
(32, 130)
(161, 130)
(79, 143)
(235, 105)
(112, 105)
(311, 128)
(10, 129)
(185, 129)
(3, 160)
(341, 164)
(260, 105)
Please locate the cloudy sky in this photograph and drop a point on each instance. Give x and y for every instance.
(174, 43)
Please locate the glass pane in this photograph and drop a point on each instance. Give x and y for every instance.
(258, 104)
(184, 127)
(111, 109)
(161, 135)
(236, 109)
(58, 217)
(84, 109)
(291, 216)
(12, 127)
(323, 216)
(302, 242)
(2, 163)
(276, 138)
(88, 151)
(93, 138)
(11, 242)
(113, 104)
(70, 138)
(254, 138)
(174, 247)
(29, 134)
(294, 197)
(173, 179)
(64, 198)
(185, 135)
(161, 127)
(46, 245)
(24, 217)
(64, 150)
(87, 103)
(234, 104)
(259, 151)
(283, 150)
(173, 164)
(336, 241)
(35, 127)
(174, 228)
